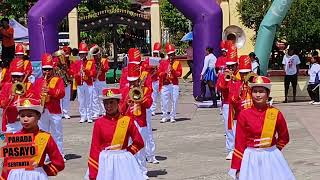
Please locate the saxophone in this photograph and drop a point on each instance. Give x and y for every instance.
(44, 95)
(98, 65)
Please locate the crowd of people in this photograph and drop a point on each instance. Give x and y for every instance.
(122, 139)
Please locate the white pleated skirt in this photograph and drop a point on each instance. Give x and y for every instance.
(264, 164)
(21, 174)
(118, 165)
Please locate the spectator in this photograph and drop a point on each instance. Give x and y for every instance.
(255, 63)
(291, 67)
(208, 76)
(314, 73)
(8, 47)
(189, 51)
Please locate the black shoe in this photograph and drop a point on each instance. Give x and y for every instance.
(199, 99)
(285, 101)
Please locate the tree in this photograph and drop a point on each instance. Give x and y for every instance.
(177, 23)
(16, 9)
(252, 12)
(300, 28)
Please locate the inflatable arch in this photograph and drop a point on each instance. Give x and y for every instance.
(267, 31)
(206, 16)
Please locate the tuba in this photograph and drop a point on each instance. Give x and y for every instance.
(236, 34)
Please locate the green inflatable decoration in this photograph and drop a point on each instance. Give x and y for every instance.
(267, 31)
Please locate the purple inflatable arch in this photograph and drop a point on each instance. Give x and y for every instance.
(206, 16)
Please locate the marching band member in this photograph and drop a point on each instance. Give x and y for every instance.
(29, 114)
(137, 100)
(221, 61)
(51, 90)
(5, 74)
(220, 67)
(99, 84)
(110, 155)
(169, 71)
(154, 75)
(11, 92)
(83, 71)
(65, 102)
(261, 135)
(151, 70)
(20, 53)
(239, 93)
(223, 84)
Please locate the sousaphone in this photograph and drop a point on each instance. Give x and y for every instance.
(236, 34)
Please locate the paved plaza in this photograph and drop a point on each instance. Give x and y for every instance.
(193, 147)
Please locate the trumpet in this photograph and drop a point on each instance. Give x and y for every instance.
(18, 89)
(136, 96)
(228, 75)
(44, 95)
(249, 77)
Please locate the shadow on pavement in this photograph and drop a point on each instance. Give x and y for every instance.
(183, 119)
(157, 173)
(161, 158)
(72, 156)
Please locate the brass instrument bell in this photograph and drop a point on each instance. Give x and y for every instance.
(237, 33)
(18, 88)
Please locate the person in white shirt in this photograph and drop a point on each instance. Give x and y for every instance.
(255, 63)
(208, 75)
(291, 66)
(314, 73)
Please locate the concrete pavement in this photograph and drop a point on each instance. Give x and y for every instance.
(194, 147)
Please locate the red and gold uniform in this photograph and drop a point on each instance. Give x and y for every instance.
(4, 76)
(104, 68)
(261, 134)
(239, 91)
(113, 133)
(169, 72)
(145, 104)
(99, 85)
(134, 72)
(55, 94)
(19, 52)
(138, 110)
(89, 71)
(167, 76)
(249, 129)
(84, 73)
(50, 148)
(51, 117)
(8, 99)
(123, 82)
(45, 146)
